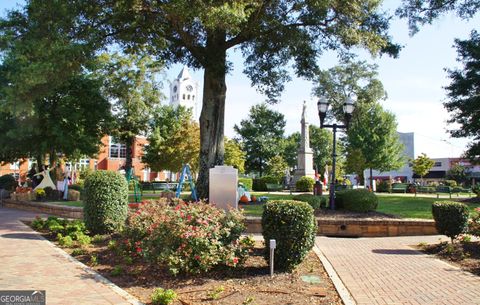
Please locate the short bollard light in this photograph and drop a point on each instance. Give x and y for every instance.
(273, 245)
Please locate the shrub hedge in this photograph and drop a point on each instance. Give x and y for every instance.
(292, 224)
(8, 183)
(260, 184)
(451, 183)
(305, 184)
(247, 182)
(451, 218)
(358, 200)
(316, 202)
(106, 202)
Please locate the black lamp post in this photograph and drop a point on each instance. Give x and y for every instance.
(348, 108)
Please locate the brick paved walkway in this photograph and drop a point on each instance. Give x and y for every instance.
(30, 262)
(388, 271)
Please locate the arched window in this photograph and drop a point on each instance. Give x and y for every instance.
(184, 96)
(188, 97)
(193, 97)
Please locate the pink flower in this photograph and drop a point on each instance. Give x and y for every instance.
(197, 257)
(235, 260)
(189, 217)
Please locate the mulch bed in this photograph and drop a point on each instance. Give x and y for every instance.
(465, 255)
(249, 284)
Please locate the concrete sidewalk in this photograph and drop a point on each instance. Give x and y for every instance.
(389, 271)
(30, 262)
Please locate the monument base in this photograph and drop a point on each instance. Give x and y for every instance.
(299, 173)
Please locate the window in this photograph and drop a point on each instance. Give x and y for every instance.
(184, 96)
(188, 97)
(193, 97)
(82, 163)
(437, 164)
(117, 150)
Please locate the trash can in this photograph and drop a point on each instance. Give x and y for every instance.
(318, 188)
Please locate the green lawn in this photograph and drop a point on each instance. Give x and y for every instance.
(403, 206)
(69, 203)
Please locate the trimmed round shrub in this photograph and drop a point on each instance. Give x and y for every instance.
(292, 224)
(451, 218)
(8, 183)
(358, 200)
(247, 182)
(314, 201)
(305, 184)
(106, 202)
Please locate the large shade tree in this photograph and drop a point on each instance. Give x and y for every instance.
(270, 34)
(61, 123)
(174, 140)
(261, 136)
(372, 140)
(464, 94)
(131, 84)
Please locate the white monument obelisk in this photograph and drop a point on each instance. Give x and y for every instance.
(305, 153)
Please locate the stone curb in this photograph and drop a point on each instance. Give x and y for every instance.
(99, 278)
(337, 282)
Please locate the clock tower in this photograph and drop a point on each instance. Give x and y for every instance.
(184, 91)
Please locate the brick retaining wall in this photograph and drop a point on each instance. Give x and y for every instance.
(46, 208)
(326, 227)
(362, 228)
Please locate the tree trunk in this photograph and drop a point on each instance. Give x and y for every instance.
(212, 118)
(371, 179)
(129, 155)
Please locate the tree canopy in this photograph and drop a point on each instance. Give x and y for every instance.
(234, 155)
(261, 136)
(130, 82)
(174, 140)
(464, 94)
(422, 165)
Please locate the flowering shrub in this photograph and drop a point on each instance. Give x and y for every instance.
(187, 238)
(474, 224)
(40, 193)
(21, 189)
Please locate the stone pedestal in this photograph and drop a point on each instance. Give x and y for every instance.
(223, 184)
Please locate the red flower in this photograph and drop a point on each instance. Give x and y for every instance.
(235, 260)
(139, 249)
(197, 257)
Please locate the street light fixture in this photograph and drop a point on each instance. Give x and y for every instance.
(348, 107)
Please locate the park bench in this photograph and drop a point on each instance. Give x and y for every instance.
(399, 187)
(158, 186)
(425, 189)
(444, 190)
(273, 187)
(457, 190)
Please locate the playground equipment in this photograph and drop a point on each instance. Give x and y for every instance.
(137, 194)
(186, 172)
